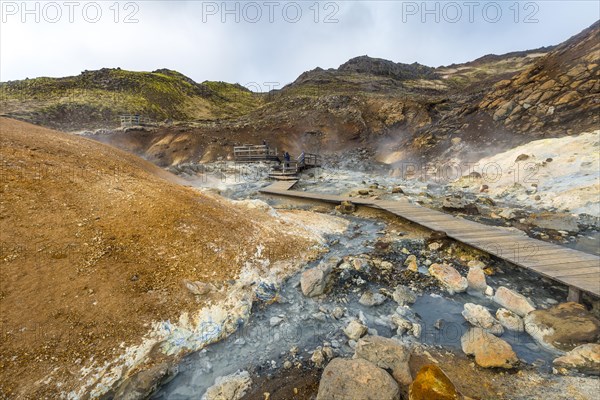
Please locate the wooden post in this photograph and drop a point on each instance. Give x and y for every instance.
(574, 294)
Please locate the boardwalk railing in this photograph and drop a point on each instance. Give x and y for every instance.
(252, 153)
(133, 120)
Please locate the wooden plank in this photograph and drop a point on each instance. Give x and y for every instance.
(559, 261)
(580, 271)
(589, 283)
(576, 272)
(548, 265)
(558, 271)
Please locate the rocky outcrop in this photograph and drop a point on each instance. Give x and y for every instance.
(584, 358)
(489, 351)
(432, 383)
(563, 327)
(381, 67)
(388, 354)
(559, 88)
(448, 277)
(513, 301)
(356, 379)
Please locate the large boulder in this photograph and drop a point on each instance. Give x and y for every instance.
(313, 282)
(356, 379)
(432, 383)
(231, 387)
(563, 327)
(510, 320)
(480, 316)
(388, 354)
(513, 301)
(448, 277)
(489, 351)
(584, 358)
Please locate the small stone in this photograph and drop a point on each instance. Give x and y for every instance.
(318, 358)
(403, 295)
(313, 282)
(510, 320)
(448, 277)
(231, 387)
(402, 324)
(489, 291)
(476, 280)
(355, 330)
(434, 246)
(287, 364)
(476, 263)
(371, 299)
(479, 316)
(346, 207)
(507, 213)
(328, 352)
(198, 288)
(416, 330)
(274, 321)
(411, 263)
(338, 313)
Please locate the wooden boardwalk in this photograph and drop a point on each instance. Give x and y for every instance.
(579, 271)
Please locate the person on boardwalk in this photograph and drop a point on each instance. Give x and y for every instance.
(286, 157)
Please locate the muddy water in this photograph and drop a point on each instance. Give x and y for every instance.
(588, 243)
(264, 343)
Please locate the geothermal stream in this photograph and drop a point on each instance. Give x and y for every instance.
(290, 329)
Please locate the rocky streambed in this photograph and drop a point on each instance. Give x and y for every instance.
(389, 305)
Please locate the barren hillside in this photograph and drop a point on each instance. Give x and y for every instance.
(98, 243)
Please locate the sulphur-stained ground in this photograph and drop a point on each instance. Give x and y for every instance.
(96, 246)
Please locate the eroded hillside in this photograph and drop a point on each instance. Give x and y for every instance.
(100, 244)
(396, 112)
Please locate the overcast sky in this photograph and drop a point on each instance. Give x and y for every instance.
(255, 43)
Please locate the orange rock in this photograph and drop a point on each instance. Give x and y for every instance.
(432, 383)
